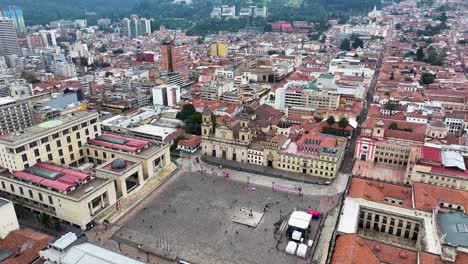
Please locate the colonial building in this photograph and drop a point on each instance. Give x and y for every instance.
(265, 140)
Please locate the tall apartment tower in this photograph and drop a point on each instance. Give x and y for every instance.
(16, 14)
(8, 38)
(174, 58)
(15, 115)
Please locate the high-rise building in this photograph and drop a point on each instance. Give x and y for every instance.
(219, 49)
(14, 115)
(49, 38)
(135, 27)
(8, 39)
(174, 56)
(16, 14)
(167, 95)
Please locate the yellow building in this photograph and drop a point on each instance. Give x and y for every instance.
(219, 49)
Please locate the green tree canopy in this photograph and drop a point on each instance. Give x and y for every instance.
(187, 111)
(420, 54)
(427, 78)
(345, 45)
(343, 122)
(393, 126)
(330, 120)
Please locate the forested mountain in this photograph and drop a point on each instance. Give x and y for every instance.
(183, 15)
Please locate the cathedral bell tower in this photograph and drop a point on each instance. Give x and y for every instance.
(207, 125)
(244, 132)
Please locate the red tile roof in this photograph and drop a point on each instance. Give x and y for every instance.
(352, 249)
(191, 142)
(376, 191)
(25, 245)
(427, 197)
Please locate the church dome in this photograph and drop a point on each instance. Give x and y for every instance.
(284, 124)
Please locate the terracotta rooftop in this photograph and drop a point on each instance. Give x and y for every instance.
(427, 197)
(377, 192)
(24, 245)
(352, 249)
(191, 142)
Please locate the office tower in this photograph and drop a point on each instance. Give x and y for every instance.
(8, 39)
(49, 38)
(16, 14)
(174, 58)
(167, 95)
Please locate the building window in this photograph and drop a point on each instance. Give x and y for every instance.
(3, 185)
(49, 157)
(60, 152)
(36, 152)
(21, 190)
(59, 144)
(56, 135)
(47, 147)
(31, 194)
(68, 139)
(62, 161)
(40, 197)
(24, 157)
(78, 135)
(72, 157)
(65, 132)
(70, 148)
(51, 201)
(44, 140)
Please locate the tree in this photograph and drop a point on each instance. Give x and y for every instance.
(345, 45)
(434, 57)
(193, 124)
(57, 225)
(408, 79)
(443, 17)
(420, 54)
(45, 219)
(398, 26)
(187, 111)
(392, 76)
(318, 119)
(343, 122)
(357, 42)
(393, 126)
(391, 106)
(427, 78)
(330, 120)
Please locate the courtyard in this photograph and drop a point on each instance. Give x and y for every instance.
(192, 219)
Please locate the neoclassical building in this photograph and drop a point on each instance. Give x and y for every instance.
(264, 138)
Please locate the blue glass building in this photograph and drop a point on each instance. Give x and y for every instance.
(15, 13)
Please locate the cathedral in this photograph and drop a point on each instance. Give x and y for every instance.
(262, 136)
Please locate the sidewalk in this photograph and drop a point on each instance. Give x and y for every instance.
(336, 187)
(267, 171)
